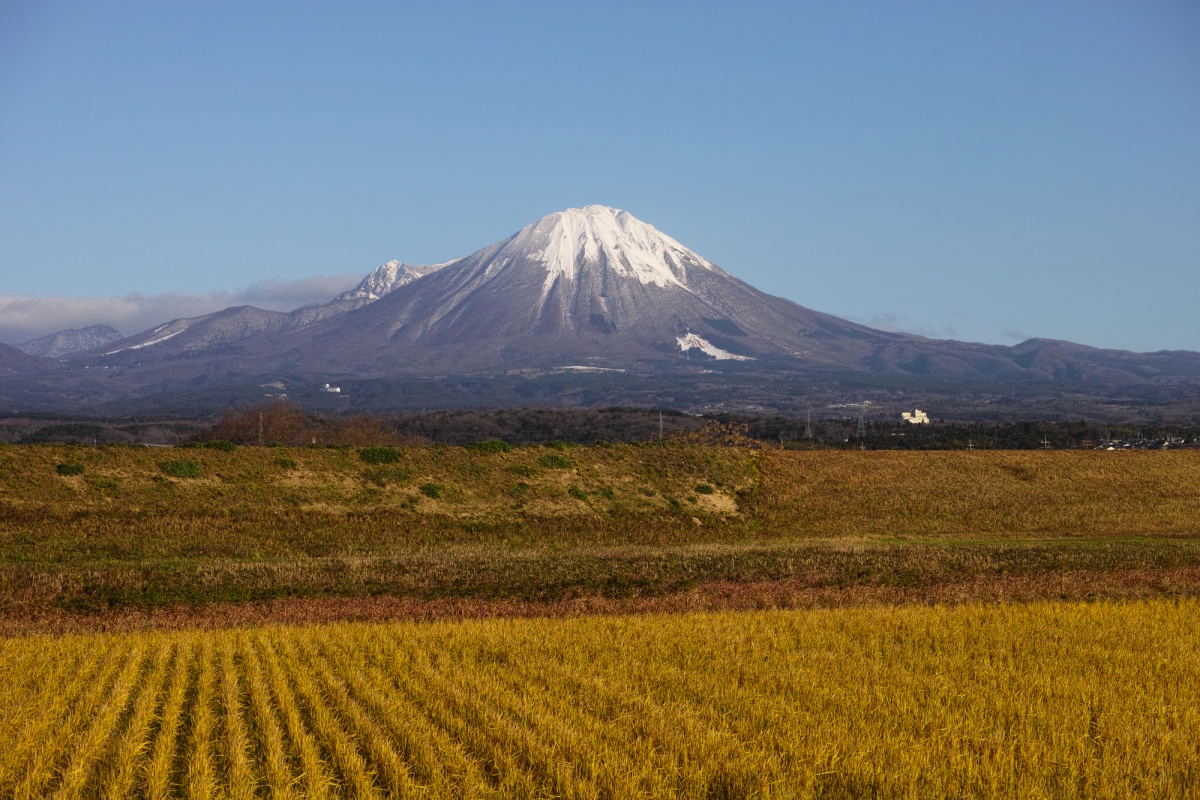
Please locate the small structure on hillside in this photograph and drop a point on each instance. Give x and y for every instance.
(917, 417)
(331, 389)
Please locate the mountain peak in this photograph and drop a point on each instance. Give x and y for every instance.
(571, 241)
(74, 340)
(387, 278)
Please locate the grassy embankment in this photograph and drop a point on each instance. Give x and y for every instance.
(663, 526)
(1019, 701)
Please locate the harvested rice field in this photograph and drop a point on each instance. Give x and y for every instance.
(1006, 700)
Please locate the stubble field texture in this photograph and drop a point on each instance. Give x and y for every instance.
(1022, 701)
(663, 620)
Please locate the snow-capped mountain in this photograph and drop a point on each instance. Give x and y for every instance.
(224, 331)
(75, 340)
(387, 278)
(592, 287)
(586, 283)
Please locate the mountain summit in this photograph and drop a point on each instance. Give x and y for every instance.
(591, 283)
(573, 242)
(386, 278)
(590, 287)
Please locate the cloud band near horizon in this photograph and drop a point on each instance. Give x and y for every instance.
(27, 317)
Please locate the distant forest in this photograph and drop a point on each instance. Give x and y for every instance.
(285, 424)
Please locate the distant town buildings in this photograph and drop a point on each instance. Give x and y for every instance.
(916, 417)
(331, 389)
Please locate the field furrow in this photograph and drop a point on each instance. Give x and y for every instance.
(236, 741)
(28, 721)
(1039, 701)
(315, 777)
(394, 774)
(271, 748)
(437, 760)
(163, 751)
(134, 742)
(60, 735)
(357, 779)
(200, 779)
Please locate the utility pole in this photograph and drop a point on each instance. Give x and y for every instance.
(808, 424)
(970, 446)
(660, 426)
(862, 428)
(260, 429)
(1045, 442)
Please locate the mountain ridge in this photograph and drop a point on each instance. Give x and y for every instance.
(588, 287)
(70, 341)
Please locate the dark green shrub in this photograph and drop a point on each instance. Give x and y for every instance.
(69, 469)
(522, 470)
(555, 461)
(380, 455)
(489, 446)
(181, 468)
(704, 488)
(577, 493)
(283, 462)
(432, 491)
(607, 493)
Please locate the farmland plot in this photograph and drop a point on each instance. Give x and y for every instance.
(1043, 700)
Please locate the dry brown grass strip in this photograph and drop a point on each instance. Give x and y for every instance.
(1133, 584)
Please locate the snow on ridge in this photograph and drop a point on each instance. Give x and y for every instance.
(147, 344)
(632, 248)
(387, 278)
(699, 343)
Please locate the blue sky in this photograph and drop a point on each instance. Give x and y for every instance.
(981, 171)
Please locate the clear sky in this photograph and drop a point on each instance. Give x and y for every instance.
(981, 171)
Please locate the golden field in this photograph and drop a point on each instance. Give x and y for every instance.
(810, 624)
(1019, 701)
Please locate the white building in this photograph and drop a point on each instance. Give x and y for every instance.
(917, 417)
(331, 389)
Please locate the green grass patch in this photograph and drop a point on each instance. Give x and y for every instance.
(489, 446)
(181, 468)
(380, 455)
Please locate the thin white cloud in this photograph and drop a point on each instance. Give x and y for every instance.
(23, 317)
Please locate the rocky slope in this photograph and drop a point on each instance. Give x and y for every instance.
(65, 343)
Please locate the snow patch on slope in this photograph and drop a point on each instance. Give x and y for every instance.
(692, 341)
(152, 341)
